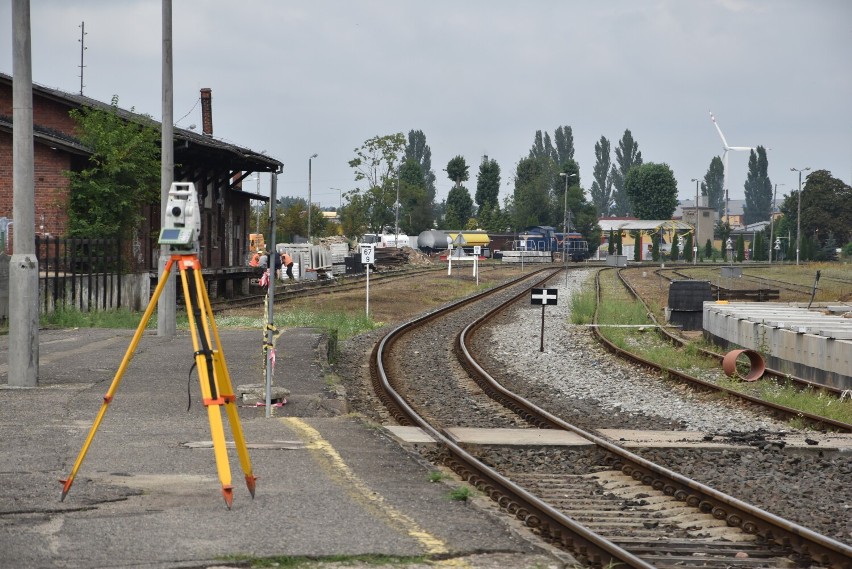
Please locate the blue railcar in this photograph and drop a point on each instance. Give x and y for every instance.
(546, 238)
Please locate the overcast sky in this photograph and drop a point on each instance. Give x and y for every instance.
(294, 78)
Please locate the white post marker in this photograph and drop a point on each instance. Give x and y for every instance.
(450, 259)
(368, 257)
(477, 251)
(543, 296)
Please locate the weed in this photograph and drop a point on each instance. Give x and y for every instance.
(437, 476)
(460, 494)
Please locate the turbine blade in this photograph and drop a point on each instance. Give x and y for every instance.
(740, 148)
(719, 130)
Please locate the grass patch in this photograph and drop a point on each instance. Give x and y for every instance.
(71, 317)
(460, 494)
(583, 306)
(347, 325)
(437, 476)
(814, 401)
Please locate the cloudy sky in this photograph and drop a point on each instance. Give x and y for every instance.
(478, 77)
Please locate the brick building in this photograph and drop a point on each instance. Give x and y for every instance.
(216, 168)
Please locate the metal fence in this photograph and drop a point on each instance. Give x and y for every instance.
(78, 272)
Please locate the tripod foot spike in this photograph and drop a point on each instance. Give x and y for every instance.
(228, 493)
(250, 481)
(66, 485)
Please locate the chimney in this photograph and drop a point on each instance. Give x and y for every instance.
(206, 111)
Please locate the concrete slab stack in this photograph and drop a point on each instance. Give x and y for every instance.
(813, 344)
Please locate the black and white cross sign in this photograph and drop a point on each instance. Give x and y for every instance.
(544, 296)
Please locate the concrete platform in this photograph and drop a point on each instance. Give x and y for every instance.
(813, 344)
(627, 438)
(148, 495)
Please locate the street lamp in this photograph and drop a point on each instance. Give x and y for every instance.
(309, 196)
(695, 245)
(730, 247)
(799, 210)
(565, 225)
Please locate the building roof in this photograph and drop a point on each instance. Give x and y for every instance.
(189, 145)
(622, 224)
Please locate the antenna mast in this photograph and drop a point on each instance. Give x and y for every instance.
(83, 48)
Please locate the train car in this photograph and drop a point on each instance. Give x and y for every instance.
(432, 241)
(574, 245)
(546, 238)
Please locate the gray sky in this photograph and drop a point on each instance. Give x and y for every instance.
(476, 76)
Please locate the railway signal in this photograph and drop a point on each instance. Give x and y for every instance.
(543, 296)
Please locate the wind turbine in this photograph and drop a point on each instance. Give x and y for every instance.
(725, 162)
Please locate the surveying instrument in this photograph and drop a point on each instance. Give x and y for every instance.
(182, 228)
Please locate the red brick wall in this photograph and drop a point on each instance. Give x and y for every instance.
(51, 187)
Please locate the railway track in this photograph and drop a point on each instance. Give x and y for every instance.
(304, 289)
(601, 502)
(676, 340)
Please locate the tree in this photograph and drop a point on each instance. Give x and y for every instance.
(459, 208)
(376, 162)
(601, 191)
(740, 248)
(652, 190)
(377, 159)
(708, 249)
(419, 151)
(106, 199)
(687, 248)
(415, 209)
(532, 198)
(611, 243)
(675, 250)
(488, 183)
(826, 207)
(564, 138)
(627, 155)
(655, 246)
(758, 188)
(758, 247)
(713, 185)
(457, 170)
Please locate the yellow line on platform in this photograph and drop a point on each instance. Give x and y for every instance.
(318, 445)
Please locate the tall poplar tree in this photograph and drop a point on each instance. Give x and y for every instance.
(713, 185)
(418, 150)
(758, 188)
(488, 183)
(627, 155)
(601, 191)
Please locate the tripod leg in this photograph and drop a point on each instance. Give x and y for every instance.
(226, 389)
(66, 484)
(204, 362)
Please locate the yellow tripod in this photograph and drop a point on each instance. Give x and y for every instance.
(216, 388)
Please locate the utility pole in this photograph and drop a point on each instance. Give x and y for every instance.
(23, 266)
(697, 218)
(82, 49)
(166, 305)
(396, 208)
(799, 211)
(309, 196)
